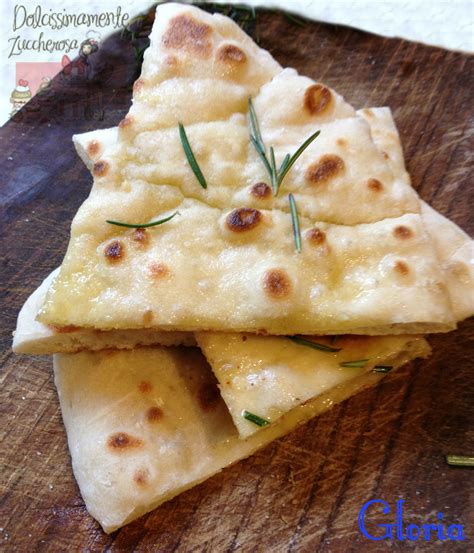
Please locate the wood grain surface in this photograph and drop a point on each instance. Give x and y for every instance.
(304, 492)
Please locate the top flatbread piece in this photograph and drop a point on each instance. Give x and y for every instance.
(217, 268)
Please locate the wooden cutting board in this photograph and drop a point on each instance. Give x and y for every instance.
(304, 492)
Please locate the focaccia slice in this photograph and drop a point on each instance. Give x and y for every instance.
(454, 251)
(454, 248)
(267, 376)
(158, 427)
(216, 268)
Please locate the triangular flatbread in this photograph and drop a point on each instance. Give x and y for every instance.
(134, 445)
(267, 376)
(222, 263)
(453, 246)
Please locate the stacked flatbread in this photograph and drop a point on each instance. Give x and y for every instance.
(375, 268)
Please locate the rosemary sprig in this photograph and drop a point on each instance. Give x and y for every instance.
(255, 419)
(296, 222)
(276, 175)
(382, 368)
(359, 363)
(460, 460)
(145, 225)
(190, 156)
(315, 345)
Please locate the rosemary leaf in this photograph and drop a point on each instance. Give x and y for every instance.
(315, 345)
(284, 164)
(460, 460)
(296, 155)
(254, 124)
(255, 419)
(259, 148)
(191, 159)
(274, 175)
(145, 225)
(382, 368)
(296, 222)
(262, 155)
(358, 364)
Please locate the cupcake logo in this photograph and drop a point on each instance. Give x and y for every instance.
(20, 95)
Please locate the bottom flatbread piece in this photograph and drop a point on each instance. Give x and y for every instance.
(146, 424)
